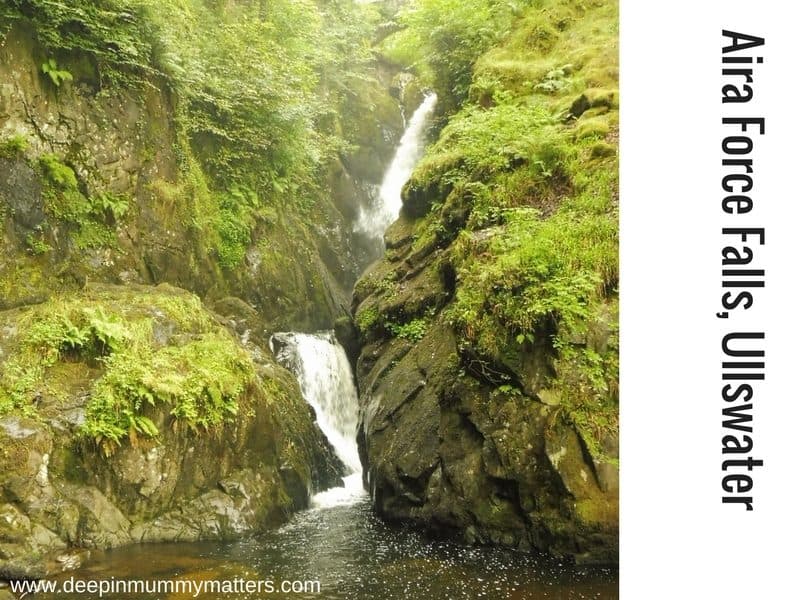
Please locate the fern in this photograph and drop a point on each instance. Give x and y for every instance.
(57, 76)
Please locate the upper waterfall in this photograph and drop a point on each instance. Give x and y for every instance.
(374, 219)
(317, 360)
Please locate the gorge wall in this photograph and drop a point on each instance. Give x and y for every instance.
(488, 372)
(163, 213)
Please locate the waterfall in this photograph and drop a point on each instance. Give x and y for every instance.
(317, 360)
(374, 219)
(326, 381)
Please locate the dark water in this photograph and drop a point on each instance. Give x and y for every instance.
(353, 555)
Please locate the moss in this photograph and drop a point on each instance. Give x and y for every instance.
(496, 513)
(61, 176)
(541, 36)
(88, 217)
(595, 511)
(412, 331)
(602, 150)
(368, 319)
(522, 184)
(67, 460)
(595, 127)
(602, 97)
(557, 49)
(13, 147)
(140, 348)
(23, 281)
(36, 245)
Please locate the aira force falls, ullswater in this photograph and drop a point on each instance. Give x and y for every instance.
(194, 200)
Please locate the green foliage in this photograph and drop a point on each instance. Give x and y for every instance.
(529, 164)
(446, 37)
(63, 199)
(554, 81)
(260, 97)
(56, 75)
(18, 384)
(367, 319)
(111, 31)
(61, 332)
(252, 81)
(556, 50)
(106, 204)
(386, 285)
(200, 381)
(200, 375)
(588, 384)
(234, 222)
(13, 147)
(509, 390)
(413, 331)
(87, 216)
(534, 271)
(87, 332)
(478, 144)
(60, 175)
(36, 245)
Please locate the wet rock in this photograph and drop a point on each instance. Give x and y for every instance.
(472, 446)
(21, 192)
(347, 335)
(62, 490)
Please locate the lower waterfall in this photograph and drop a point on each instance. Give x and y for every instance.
(320, 364)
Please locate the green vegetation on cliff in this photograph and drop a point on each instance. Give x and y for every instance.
(246, 75)
(521, 189)
(134, 351)
(208, 131)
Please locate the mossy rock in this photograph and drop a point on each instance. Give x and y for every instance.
(144, 394)
(593, 127)
(602, 150)
(488, 375)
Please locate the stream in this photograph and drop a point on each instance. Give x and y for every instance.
(339, 542)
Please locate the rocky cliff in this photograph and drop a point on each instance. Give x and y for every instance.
(162, 214)
(138, 416)
(98, 187)
(488, 371)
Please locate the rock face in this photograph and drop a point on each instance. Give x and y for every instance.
(64, 488)
(97, 191)
(184, 428)
(447, 448)
(488, 369)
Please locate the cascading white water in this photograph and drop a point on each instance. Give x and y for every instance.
(317, 360)
(326, 381)
(374, 219)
